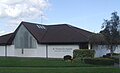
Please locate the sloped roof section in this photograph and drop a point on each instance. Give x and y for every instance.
(52, 34)
(60, 33)
(97, 39)
(64, 33)
(6, 39)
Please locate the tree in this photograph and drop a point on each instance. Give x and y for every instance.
(110, 32)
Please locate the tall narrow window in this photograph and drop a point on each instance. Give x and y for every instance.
(21, 42)
(31, 45)
(26, 40)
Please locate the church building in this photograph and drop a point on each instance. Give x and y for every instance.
(45, 41)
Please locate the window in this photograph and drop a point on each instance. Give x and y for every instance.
(21, 43)
(41, 26)
(24, 40)
(32, 42)
(31, 45)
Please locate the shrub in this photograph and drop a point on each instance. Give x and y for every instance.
(78, 60)
(67, 57)
(83, 53)
(99, 61)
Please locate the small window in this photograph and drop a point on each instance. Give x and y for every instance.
(41, 26)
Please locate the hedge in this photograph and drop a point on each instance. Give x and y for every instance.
(83, 53)
(99, 61)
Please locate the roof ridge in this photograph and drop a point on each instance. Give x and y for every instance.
(34, 23)
(56, 24)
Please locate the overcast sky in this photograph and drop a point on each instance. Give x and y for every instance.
(85, 14)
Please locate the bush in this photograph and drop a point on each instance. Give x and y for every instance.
(78, 60)
(67, 57)
(99, 61)
(83, 53)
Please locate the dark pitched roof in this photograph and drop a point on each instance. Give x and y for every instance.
(65, 33)
(55, 34)
(101, 39)
(60, 33)
(6, 39)
(97, 39)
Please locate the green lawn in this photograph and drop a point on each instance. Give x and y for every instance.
(43, 65)
(59, 70)
(39, 62)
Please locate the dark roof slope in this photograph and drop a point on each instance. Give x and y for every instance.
(64, 33)
(60, 33)
(55, 34)
(101, 40)
(6, 39)
(97, 39)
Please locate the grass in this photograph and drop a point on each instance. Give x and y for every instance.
(43, 65)
(39, 62)
(59, 70)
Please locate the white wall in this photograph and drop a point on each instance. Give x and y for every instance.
(10, 50)
(40, 51)
(102, 50)
(2, 50)
(26, 53)
(59, 51)
(117, 50)
(50, 51)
